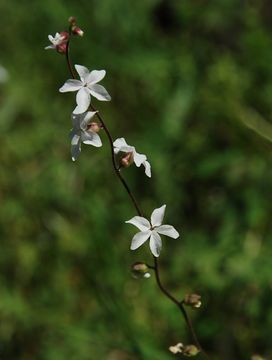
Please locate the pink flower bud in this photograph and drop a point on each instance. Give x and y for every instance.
(64, 36)
(62, 48)
(127, 160)
(77, 31)
(72, 20)
(93, 126)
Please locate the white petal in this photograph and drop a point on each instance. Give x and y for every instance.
(75, 138)
(91, 138)
(99, 92)
(140, 222)
(83, 100)
(95, 76)
(50, 47)
(83, 72)
(50, 38)
(138, 158)
(157, 216)
(75, 151)
(147, 168)
(139, 239)
(71, 85)
(121, 145)
(168, 230)
(155, 243)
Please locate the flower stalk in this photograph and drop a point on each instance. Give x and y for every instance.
(151, 228)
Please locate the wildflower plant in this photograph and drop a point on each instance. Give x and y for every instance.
(87, 122)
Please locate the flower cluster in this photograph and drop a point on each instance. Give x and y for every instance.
(85, 130)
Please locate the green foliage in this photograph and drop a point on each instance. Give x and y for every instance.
(185, 78)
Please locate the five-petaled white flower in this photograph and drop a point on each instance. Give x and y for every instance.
(139, 159)
(85, 87)
(82, 132)
(57, 40)
(152, 230)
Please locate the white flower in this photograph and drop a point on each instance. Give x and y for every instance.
(81, 132)
(152, 230)
(85, 87)
(139, 159)
(59, 39)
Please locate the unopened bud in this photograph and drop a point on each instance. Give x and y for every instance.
(72, 20)
(193, 300)
(139, 270)
(62, 48)
(77, 31)
(93, 126)
(64, 36)
(190, 350)
(127, 159)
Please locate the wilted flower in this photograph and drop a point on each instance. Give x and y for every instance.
(190, 350)
(85, 87)
(140, 270)
(151, 230)
(175, 349)
(120, 145)
(59, 41)
(193, 300)
(187, 350)
(82, 132)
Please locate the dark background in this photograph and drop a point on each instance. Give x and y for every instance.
(185, 78)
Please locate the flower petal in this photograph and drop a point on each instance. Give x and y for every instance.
(147, 168)
(140, 222)
(50, 47)
(121, 145)
(95, 76)
(138, 158)
(168, 230)
(139, 239)
(71, 85)
(83, 100)
(91, 138)
(99, 92)
(75, 151)
(75, 138)
(76, 121)
(155, 243)
(157, 216)
(83, 72)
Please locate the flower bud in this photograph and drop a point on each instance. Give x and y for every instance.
(190, 350)
(64, 36)
(193, 300)
(62, 48)
(94, 126)
(139, 270)
(77, 31)
(72, 20)
(127, 160)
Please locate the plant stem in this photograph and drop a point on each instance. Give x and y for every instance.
(140, 213)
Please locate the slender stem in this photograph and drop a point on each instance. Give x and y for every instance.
(67, 55)
(140, 213)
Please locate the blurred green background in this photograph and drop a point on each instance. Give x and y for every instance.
(185, 77)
